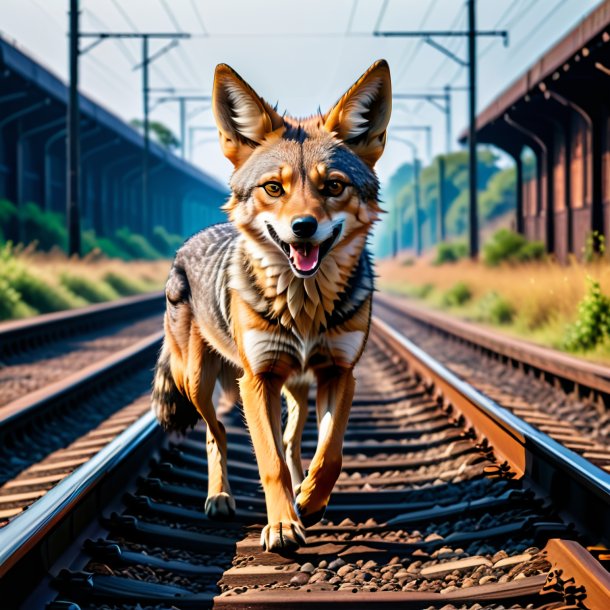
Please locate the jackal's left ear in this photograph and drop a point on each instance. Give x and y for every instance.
(243, 118)
(361, 116)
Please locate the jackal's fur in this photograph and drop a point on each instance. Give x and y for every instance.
(281, 296)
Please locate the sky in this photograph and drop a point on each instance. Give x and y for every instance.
(302, 55)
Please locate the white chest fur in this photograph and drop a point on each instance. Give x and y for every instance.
(262, 348)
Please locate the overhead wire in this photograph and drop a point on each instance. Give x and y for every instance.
(418, 45)
(199, 18)
(183, 55)
(135, 28)
(352, 14)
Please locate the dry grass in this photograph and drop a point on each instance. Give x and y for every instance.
(543, 295)
(33, 282)
(51, 265)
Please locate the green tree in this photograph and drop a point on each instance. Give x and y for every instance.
(162, 133)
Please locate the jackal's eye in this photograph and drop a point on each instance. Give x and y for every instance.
(273, 188)
(333, 188)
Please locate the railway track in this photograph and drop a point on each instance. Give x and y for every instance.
(563, 396)
(71, 381)
(445, 500)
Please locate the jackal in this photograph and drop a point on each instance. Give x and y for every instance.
(280, 296)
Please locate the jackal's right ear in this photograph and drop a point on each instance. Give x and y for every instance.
(244, 119)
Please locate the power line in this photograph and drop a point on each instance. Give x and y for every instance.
(123, 48)
(199, 18)
(125, 16)
(537, 25)
(351, 16)
(184, 56)
(419, 43)
(382, 11)
(520, 15)
(458, 42)
(134, 27)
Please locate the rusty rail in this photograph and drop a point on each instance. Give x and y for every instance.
(574, 371)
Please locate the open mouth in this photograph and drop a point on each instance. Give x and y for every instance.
(304, 256)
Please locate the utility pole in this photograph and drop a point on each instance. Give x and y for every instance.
(473, 216)
(182, 101)
(471, 34)
(440, 209)
(442, 101)
(425, 128)
(73, 138)
(195, 129)
(416, 221)
(416, 200)
(147, 59)
(145, 125)
(447, 90)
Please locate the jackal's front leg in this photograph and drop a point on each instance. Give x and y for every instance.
(334, 401)
(262, 407)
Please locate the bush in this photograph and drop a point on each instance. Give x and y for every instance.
(457, 295)
(495, 309)
(594, 248)
(592, 325)
(421, 291)
(450, 252)
(46, 228)
(508, 246)
(135, 245)
(10, 303)
(125, 286)
(8, 215)
(164, 242)
(90, 290)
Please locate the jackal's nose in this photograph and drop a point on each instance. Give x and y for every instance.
(304, 226)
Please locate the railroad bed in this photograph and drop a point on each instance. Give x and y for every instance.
(445, 500)
(563, 396)
(71, 381)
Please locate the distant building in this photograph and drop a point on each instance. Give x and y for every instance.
(33, 111)
(559, 108)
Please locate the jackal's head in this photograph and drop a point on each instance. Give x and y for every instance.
(306, 188)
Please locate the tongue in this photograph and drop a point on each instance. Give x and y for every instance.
(305, 259)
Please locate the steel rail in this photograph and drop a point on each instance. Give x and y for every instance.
(568, 368)
(15, 335)
(26, 530)
(66, 390)
(573, 483)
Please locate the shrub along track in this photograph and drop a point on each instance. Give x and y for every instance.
(563, 396)
(445, 500)
(71, 382)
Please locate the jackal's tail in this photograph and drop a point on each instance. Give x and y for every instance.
(173, 410)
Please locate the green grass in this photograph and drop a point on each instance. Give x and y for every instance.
(89, 290)
(459, 294)
(124, 285)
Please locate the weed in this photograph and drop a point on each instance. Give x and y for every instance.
(592, 324)
(450, 252)
(164, 242)
(508, 246)
(457, 295)
(46, 228)
(125, 286)
(90, 290)
(135, 245)
(594, 248)
(11, 305)
(495, 309)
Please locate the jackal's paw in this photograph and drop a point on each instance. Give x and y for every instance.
(220, 506)
(309, 518)
(282, 536)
